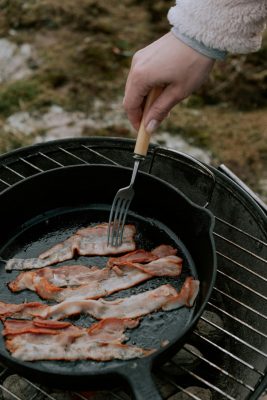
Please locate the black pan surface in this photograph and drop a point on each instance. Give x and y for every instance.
(54, 204)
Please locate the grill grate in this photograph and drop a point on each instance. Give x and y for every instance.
(232, 360)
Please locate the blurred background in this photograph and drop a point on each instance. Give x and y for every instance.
(63, 66)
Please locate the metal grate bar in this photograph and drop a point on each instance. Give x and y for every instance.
(40, 390)
(14, 172)
(231, 355)
(80, 395)
(110, 394)
(240, 303)
(30, 164)
(240, 247)
(51, 159)
(13, 396)
(116, 396)
(221, 370)
(242, 284)
(238, 320)
(73, 155)
(180, 388)
(242, 266)
(207, 383)
(241, 231)
(234, 337)
(100, 155)
(5, 183)
(3, 372)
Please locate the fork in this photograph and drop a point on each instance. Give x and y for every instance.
(124, 196)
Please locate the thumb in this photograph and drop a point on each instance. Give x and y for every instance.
(161, 107)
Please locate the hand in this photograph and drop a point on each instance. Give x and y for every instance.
(167, 63)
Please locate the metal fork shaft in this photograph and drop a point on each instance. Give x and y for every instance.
(137, 160)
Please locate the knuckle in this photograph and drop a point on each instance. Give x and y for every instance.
(138, 72)
(137, 56)
(160, 113)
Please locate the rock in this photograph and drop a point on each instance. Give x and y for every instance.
(209, 331)
(20, 387)
(176, 142)
(165, 388)
(21, 122)
(187, 357)
(14, 384)
(184, 358)
(56, 123)
(14, 64)
(198, 392)
(60, 395)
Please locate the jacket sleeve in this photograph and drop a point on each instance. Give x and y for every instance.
(234, 26)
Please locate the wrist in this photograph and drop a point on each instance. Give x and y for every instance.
(200, 47)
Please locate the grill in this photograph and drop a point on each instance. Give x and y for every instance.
(226, 356)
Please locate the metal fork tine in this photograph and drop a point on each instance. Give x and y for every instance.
(114, 219)
(123, 222)
(119, 222)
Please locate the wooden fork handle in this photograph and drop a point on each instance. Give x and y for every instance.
(143, 137)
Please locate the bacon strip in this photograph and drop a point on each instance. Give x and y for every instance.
(19, 326)
(67, 275)
(101, 342)
(23, 310)
(27, 347)
(186, 296)
(163, 297)
(87, 241)
(102, 282)
(108, 330)
(142, 256)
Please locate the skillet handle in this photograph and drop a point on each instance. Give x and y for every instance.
(143, 137)
(141, 383)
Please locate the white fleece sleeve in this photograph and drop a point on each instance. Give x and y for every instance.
(235, 26)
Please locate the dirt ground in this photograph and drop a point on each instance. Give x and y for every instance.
(83, 50)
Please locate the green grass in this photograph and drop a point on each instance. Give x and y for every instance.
(14, 96)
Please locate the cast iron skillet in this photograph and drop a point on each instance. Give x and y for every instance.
(48, 207)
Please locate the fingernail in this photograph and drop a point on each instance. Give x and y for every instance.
(152, 126)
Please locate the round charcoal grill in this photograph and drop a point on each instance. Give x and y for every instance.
(231, 337)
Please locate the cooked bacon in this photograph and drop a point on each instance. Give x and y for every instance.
(19, 326)
(142, 256)
(93, 241)
(164, 250)
(165, 266)
(102, 282)
(128, 307)
(186, 296)
(164, 297)
(137, 256)
(112, 280)
(107, 330)
(29, 347)
(23, 310)
(87, 241)
(67, 275)
(101, 342)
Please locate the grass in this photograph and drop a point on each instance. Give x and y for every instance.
(17, 95)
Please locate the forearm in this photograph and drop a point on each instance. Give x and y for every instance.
(235, 26)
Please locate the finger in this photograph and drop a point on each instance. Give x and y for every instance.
(135, 116)
(162, 106)
(135, 92)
